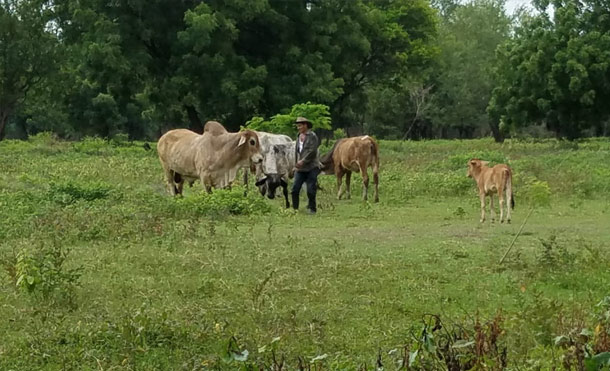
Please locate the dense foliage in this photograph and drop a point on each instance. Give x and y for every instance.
(395, 69)
(556, 71)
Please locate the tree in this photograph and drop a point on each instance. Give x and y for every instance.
(468, 38)
(28, 52)
(142, 66)
(556, 72)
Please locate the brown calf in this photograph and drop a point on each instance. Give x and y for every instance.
(489, 180)
(353, 154)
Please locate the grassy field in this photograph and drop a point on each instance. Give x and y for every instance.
(101, 269)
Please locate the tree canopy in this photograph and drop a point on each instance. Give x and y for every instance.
(555, 71)
(392, 68)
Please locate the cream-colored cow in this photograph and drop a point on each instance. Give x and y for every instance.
(214, 157)
(490, 180)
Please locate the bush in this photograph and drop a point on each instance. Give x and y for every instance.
(339, 134)
(457, 162)
(91, 146)
(224, 202)
(71, 192)
(318, 114)
(44, 138)
(43, 272)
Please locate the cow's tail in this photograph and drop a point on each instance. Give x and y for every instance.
(375, 155)
(509, 187)
(375, 163)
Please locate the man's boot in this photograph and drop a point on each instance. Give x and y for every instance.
(311, 197)
(295, 201)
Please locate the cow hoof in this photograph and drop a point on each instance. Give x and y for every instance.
(481, 221)
(508, 221)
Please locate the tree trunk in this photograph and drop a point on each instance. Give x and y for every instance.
(3, 121)
(495, 131)
(196, 125)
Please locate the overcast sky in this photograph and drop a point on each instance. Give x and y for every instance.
(511, 5)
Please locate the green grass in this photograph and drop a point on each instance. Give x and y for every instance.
(125, 277)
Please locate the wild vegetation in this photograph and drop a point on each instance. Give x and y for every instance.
(395, 69)
(101, 269)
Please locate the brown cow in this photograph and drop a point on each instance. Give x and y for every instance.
(353, 154)
(214, 157)
(489, 180)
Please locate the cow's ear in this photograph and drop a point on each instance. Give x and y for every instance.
(260, 182)
(485, 163)
(472, 163)
(242, 140)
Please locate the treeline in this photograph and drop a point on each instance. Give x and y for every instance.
(394, 68)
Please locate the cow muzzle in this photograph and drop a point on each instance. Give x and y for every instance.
(257, 159)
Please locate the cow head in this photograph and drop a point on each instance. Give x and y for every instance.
(474, 167)
(269, 184)
(249, 143)
(327, 161)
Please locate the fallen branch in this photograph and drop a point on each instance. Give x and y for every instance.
(518, 233)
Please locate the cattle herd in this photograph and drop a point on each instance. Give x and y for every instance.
(215, 157)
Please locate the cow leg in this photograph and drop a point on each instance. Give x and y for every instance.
(245, 181)
(285, 190)
(365, 183)
(339, 174)
(509, 199)
(348, 185)
(482, 199)
(501, 198)
(491, 208)
(206, 185)
(169, 182)
(376, 182)
(178, 183)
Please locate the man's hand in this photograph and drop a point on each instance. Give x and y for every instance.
(299, 164)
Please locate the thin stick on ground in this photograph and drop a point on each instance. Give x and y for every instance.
(518, 233)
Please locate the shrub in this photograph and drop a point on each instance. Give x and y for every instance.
(224, 202)
(339, 134)
(44, 138)
(457, 162)
(71, 192)
(319, 115)
(91, 146)
(537, 193)
(119, 140)
(43, 272)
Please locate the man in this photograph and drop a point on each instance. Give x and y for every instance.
(307, 165)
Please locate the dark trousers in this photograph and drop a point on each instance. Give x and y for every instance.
(310, 178)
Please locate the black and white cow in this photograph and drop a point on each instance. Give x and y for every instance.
(277, 166)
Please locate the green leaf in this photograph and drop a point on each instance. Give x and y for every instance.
(413, 357)
(596, 362)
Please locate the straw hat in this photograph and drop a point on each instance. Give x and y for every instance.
(303, 120)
